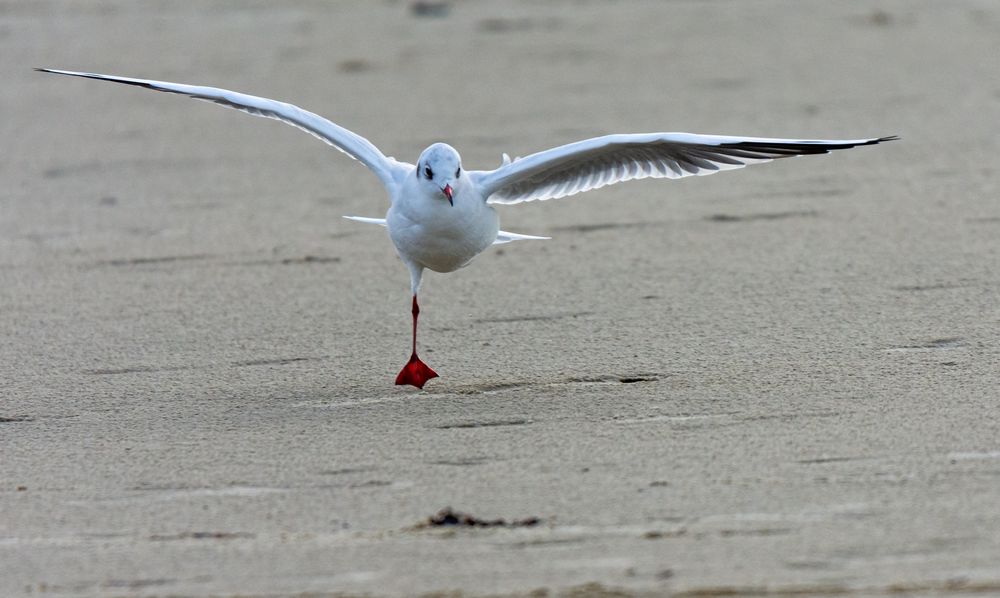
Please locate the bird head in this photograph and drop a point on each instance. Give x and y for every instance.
(439, 170)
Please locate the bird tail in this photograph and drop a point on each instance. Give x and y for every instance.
(379, 221)
(505, 237)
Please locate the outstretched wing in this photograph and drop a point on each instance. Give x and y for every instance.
(594, 163)
(388, 170)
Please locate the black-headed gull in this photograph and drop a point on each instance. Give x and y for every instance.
(439, 214)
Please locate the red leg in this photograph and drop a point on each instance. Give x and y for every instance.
(415, 372)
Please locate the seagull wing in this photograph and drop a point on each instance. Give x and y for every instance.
(594, 163)
(388, 170)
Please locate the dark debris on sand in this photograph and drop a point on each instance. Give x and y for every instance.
(448, 517)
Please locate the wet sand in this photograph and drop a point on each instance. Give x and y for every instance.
(781, 380)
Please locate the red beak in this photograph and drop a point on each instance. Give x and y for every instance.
(447, 193)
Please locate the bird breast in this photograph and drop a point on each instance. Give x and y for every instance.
(439, 236)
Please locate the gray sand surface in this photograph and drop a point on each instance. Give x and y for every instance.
(782, 380)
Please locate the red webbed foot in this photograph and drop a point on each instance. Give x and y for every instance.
(415, 373)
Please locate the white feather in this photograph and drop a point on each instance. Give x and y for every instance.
(594, 163)
(502, 236)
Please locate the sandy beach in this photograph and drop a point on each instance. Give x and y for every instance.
(771, 382)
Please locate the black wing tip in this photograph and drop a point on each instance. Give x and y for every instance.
(874, 141)
(62, 72)
(801, 148)
(113, 79)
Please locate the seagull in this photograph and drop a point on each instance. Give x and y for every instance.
(440, 215)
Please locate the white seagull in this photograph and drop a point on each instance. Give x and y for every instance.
(439, 213)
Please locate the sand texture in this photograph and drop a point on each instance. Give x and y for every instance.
(783, 380)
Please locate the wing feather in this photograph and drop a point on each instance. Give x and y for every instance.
(357, 147)
(601, 161)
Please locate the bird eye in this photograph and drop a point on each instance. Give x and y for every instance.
(428, 172)
(458, 172)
